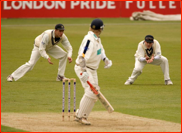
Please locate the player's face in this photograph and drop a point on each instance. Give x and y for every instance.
(148, 44)
(59, 33)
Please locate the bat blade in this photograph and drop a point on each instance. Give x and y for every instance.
(101, 98)
(105, 102)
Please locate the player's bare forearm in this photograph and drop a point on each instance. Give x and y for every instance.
(49, 60)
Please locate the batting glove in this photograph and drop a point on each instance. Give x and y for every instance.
(108, 63)
(84, 77)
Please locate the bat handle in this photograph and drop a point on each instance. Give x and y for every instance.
(91, 87)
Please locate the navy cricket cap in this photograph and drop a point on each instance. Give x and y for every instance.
(149, 38)
(97, 24)
(59, 27)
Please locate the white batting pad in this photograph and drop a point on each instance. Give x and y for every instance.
(86, 105)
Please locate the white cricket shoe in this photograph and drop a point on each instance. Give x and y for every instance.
(168, 82)
(85, 121)
(82, 121)
(128, 82)
(76, 119)
(76, 116)
(10, 78)
(60, 78)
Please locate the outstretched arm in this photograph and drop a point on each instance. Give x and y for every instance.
(66, 44)
(42, 48)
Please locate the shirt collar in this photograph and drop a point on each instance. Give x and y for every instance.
(53, 34)
(93, 34)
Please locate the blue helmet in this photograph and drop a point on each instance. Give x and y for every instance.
(97, 24)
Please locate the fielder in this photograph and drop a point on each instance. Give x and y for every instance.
(149, 52)
(47, 43)
(90, 53)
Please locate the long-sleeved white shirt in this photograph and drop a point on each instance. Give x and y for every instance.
(141, 51)
(94, 50)
(46, 41)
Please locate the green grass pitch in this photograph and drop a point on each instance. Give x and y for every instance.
(38, 91)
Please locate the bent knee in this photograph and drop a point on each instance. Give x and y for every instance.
(138, 69)
(164, 59)
(30, 64)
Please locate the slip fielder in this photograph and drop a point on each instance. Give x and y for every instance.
(90, 53)
(149, 52)
(47, 43)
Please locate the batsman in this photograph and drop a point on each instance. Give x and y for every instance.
(90, 53)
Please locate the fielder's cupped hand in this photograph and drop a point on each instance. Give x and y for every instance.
(69, 59)
(49, 60)
(84, 77)
(108, 63)
(150, 60)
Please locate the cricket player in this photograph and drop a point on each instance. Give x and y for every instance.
(47, 44)
(90, 53)
(149, 52)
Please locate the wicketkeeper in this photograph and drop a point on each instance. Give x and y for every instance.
(149, 52)
(90, 53)
(47, 44)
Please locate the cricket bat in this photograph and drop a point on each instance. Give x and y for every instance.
(102, 98)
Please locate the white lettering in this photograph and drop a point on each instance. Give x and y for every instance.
(74, 3)
(140, 6)
(111, 5)
(127, 4)
(6, 7)
(92, 4)
(36, 6)
(98, 6)
(151, 5)
(16, 7)
(161, 6)
(28, 4)
(85, 4)
(171, 5)
(49, 6)
(61, 4)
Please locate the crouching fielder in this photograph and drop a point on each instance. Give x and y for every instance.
(90, 54)
(149, 52)
(44, 44)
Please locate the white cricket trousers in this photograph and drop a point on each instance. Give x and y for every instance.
(56, 52)
(163, 62)
(89, 98)
(93, 79)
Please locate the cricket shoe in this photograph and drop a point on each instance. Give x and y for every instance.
(85, 121)
(60, 78)
(168, 82)
(82, 120)
(76, 116)
(128, 82)
(10, 78)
